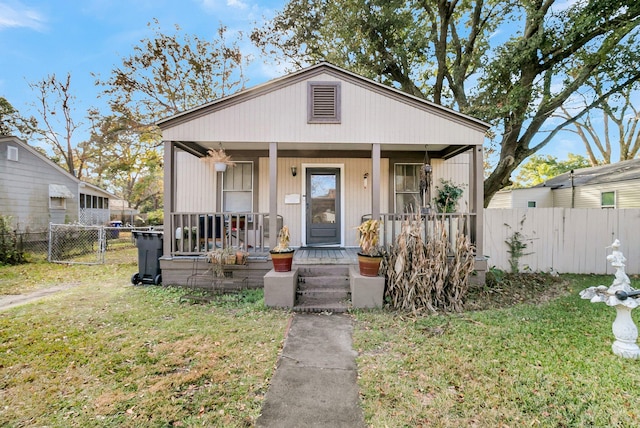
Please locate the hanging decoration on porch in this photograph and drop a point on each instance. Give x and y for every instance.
(219, 159)
(425, 183)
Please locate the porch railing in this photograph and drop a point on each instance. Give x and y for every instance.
(452, 223)
(195, 233)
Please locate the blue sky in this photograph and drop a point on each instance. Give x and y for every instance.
(42, 37)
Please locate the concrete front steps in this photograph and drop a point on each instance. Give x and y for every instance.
(323, 288)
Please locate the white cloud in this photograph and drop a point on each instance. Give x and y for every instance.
(16, 15)
(238, 4)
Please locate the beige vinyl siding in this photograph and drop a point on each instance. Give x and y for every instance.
(455, 170)
(561, 198)
(195, 184)
(367, 117)
(541, 195)
(501, 199)
(357, 200)
(628, 194)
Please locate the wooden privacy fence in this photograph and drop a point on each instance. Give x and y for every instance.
(565, 240)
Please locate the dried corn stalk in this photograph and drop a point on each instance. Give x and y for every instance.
(432, 275)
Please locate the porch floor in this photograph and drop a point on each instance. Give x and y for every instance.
(325, 256)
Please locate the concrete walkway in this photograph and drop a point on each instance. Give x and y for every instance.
(315, 381)
(13, 300)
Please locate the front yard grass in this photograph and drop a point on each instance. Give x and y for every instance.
(109, 354)
(547, 365)
(106, 353)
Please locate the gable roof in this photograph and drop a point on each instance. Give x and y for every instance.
(309, 72)
(17, 141)
(611, 173)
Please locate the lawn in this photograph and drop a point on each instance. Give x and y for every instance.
(109, 354)
(106, 353)
(547, 365)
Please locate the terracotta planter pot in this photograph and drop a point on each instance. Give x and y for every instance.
(282, 260)
(369, 265)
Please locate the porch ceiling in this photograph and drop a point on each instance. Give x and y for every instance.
(203, 146)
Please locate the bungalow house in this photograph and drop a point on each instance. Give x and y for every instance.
(317, 150)
(34, 191)
(614, 185)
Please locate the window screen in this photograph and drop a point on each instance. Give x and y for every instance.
(407, 187)
(237, 188)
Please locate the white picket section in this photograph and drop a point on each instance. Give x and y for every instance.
(566, 240)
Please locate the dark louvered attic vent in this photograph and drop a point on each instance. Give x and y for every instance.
(324, 102)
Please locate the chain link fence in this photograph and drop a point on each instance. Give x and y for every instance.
(32, 246)
(88, 244)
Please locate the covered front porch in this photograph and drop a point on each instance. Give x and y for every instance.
(194, 237)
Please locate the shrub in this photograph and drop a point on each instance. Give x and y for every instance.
(155, 218)
(11, 252)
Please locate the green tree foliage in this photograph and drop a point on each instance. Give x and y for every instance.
(127, 162)
(170, 73)
(511, 63)
(166, 74)
(539, 168)
(12, 123)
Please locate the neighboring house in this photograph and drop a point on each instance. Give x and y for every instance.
(606, 186)
(123, 212)
(35, 191)
(318, 149)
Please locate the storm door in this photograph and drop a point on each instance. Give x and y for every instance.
(323, 206)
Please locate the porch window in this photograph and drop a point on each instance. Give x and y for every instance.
(608, 199)
(323, 102)
(237, 188)
(531, 204)
(407, 187)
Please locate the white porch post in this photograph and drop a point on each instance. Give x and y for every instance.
(169, 174)
(273, 193)
(375, 181)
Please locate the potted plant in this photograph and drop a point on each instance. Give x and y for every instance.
(370, 254)
(447, 196)
(219, 158)
(282, 254)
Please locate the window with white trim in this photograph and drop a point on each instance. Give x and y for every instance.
(407, 187)
(323, 102)
(237, 188)
(608, 199)
(531, 204)
(12, 153)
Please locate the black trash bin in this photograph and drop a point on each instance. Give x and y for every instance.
(149, 244)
